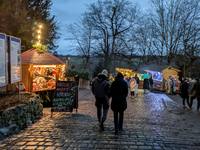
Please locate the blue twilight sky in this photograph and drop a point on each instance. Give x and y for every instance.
(69, 11)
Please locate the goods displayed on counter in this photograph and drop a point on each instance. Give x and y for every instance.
(44, 78)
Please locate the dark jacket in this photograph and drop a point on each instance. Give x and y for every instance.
(196, 89)
(137, 79)
(146, 84)
(119, 92)
(101, 86)
(184, 90)
(151, 80)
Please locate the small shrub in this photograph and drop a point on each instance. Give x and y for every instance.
(84, 74)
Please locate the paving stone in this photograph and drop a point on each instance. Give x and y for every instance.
(133, 147)
(48, 143)
(40, 148)
(31, 147)
(145, 147)
(20, 143)
(31, 143)
(151, 121)
(17, 147)
(50, 148)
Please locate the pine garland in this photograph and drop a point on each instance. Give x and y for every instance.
(40, 48)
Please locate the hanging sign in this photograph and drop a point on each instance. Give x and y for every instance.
(15, 59)
(3, 80)
(65, 96)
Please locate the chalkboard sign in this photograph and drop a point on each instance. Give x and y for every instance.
(65, 96)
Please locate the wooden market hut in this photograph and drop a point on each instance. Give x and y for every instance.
(31, 59)
(164, 71)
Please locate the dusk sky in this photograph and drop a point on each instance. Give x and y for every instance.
(69, 11)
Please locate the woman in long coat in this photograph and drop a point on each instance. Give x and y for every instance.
(146, 85)
(184, 92)
(119, 92)
(132, 87)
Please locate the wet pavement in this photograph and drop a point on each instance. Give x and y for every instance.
(151, 121)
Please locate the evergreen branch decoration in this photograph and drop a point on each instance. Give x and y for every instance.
(40, 48)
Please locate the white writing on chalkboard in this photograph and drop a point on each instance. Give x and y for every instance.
(60, 84)
(61, 94)
(65, 89)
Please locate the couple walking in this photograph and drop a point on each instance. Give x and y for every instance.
(103, 90)
(195, 93)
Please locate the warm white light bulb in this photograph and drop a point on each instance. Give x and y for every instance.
(39, 37)
(39, 31)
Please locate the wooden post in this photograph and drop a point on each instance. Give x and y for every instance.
(19, 91)
(31, 78)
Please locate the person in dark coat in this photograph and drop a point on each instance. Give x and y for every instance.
(151, 84)
(119, 92)
(195, 94)
(184, 92)
(146, 85)
(101, 90)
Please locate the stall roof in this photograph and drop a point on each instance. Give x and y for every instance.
(140, 71)
(32, 57)
(159, 68)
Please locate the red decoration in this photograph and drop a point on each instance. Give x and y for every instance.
(54, 72)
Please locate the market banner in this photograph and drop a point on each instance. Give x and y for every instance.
(65, 96)
(3, 60)
(15, 59)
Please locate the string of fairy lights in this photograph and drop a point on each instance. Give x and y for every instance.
(39, 34)
(37, 30)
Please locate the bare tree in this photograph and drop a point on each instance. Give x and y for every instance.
(82, 35)
(110, 19)
(168, 21)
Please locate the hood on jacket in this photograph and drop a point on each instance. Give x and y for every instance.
(101, 77)
(119, 80)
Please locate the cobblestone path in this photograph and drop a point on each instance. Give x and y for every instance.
(151, 121)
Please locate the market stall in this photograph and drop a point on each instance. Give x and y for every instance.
(160, 74)
(125, 71)
(131, 73)
(41, 70)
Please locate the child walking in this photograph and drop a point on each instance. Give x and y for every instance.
(132, 86)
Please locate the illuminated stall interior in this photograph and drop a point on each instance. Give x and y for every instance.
(130, 72)
(41, 71)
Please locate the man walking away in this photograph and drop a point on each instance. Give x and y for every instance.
(137, 83)
(195, 94)
(151, 84)
(184, 92)
(101, 88)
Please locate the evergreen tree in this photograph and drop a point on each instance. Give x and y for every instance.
(98, 69)
(19, 17)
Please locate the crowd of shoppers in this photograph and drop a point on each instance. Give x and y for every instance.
(118, 91)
